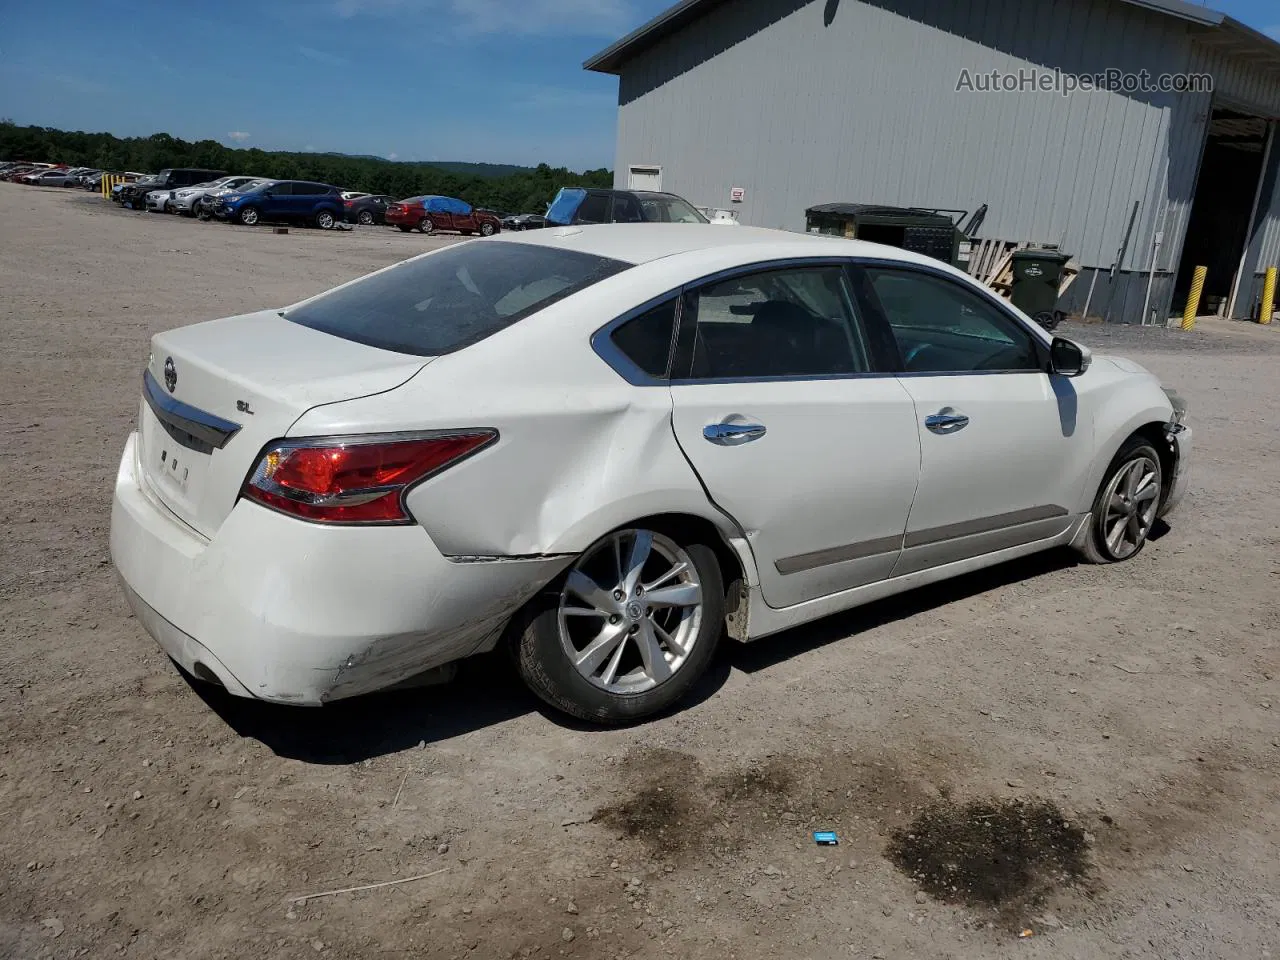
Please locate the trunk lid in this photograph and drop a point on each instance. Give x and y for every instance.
(216, 393)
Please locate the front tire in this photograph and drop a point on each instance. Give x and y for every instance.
(249, 216)
(627, 632)
(1126, 506)
(487, 230)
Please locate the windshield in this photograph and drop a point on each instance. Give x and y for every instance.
(668, 208)
(451, 299)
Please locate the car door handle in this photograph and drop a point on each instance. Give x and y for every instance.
(946, 422)
(732, 434)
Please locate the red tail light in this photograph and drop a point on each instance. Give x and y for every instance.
(347, 203)
(354, 481)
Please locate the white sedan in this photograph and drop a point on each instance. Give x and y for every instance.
(606, 447)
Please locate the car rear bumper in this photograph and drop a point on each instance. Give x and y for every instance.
(294, 612)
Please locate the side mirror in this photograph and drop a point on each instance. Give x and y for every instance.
(1068, 359)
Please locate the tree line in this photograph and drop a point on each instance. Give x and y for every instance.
(527, 191)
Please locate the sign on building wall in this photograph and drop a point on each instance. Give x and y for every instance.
(737, 194)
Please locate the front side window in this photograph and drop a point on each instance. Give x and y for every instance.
(668, 208)
(448, 300)
(941, 327)
(778, 323)
(625, 209)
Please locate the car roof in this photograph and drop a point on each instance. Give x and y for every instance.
(637, 243)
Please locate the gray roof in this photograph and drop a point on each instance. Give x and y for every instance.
(1226, 32)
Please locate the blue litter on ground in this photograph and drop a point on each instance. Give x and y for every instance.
(825, 838)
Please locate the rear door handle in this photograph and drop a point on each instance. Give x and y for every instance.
(946, 422)
(733, 434)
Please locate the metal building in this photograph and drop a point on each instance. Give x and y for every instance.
(768, 107)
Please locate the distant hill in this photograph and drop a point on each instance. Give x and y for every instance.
(452, 166)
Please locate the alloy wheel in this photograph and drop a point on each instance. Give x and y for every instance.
(365, 217)
(630, 611)
(324, 220)
(1130, 505)
(249, 216)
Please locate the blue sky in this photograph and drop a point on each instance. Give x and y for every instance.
(490, 80)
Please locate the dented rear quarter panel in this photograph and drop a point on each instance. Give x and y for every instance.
(580, 450)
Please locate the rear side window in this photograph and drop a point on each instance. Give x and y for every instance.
(778, 323)
(646, 339)
(282, 189)
(594, 209)
(451, 299)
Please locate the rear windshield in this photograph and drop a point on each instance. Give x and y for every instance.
(454, 298)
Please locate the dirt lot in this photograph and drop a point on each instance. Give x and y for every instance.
(1087, 753)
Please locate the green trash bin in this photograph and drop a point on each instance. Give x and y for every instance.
(1037, 275)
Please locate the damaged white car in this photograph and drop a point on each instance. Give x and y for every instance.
(606, 447)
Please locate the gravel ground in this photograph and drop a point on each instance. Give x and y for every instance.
(1091, 752)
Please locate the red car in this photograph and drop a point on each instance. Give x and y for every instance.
(430, 214)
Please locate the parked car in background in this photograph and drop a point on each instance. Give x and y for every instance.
(188, 200)
(18, 171)
(398, 499)
(297, 201)
(579, 205)
(206, 204)
(157, 201)
(524, 221)
(434, 213)
(354, 194)
(51, 178)
(139, 187)
(168, 179)
(370, 208)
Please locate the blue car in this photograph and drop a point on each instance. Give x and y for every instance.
(297, 201)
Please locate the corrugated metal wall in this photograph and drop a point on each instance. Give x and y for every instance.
(809, 101)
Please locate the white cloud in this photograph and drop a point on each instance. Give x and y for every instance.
(579, 17)
(239, 136)
(537, 97)
(309, 148)
(564, 17)
(392, 155)
(322, 56)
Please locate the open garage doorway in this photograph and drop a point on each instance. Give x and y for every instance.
(1223, 208)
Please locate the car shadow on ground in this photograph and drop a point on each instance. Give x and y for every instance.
(764, 653)
(487, 691)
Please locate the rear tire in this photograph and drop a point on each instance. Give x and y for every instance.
(1126, 506)
(426, 226)
(325, 220)
(364, 217)
(643, 657)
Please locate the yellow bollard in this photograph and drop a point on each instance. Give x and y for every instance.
(1193, 299)
(1268, 296)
